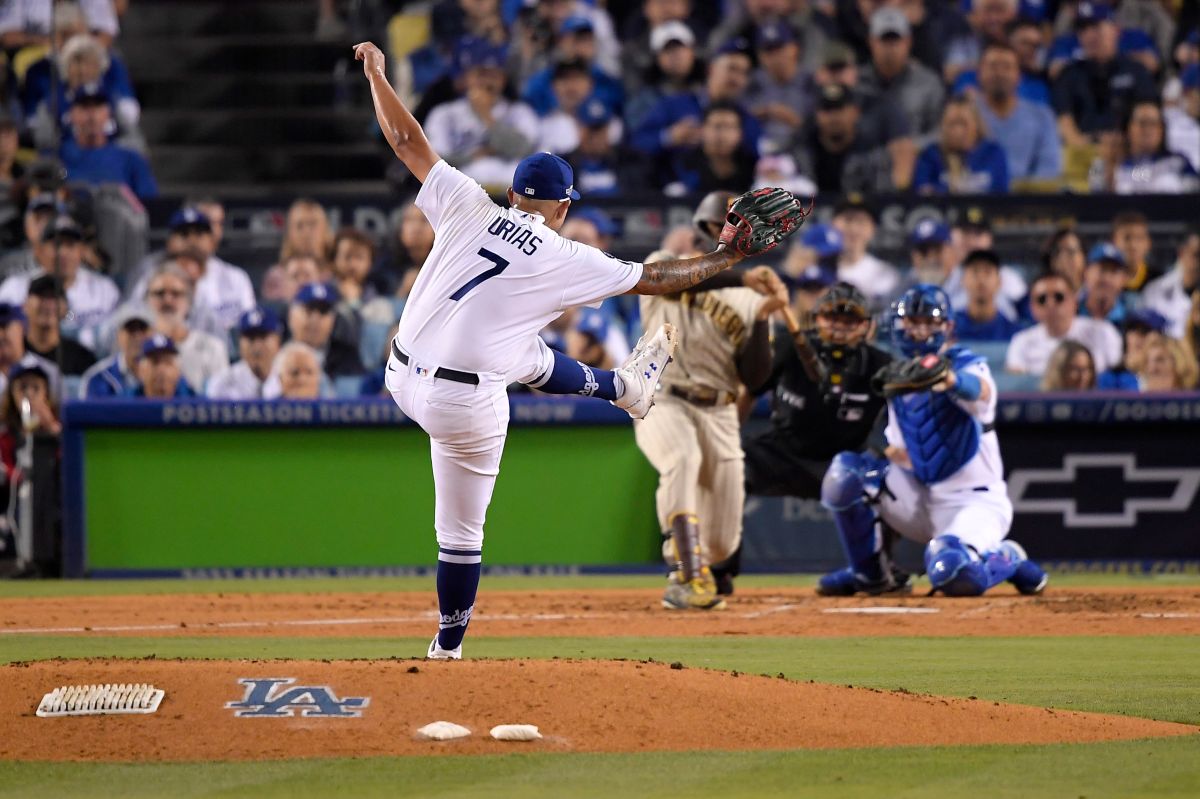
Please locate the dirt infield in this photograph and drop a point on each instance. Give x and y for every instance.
(790, 612)
(586, 706)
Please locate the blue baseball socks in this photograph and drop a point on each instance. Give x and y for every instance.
(569, 376)
(457, 584)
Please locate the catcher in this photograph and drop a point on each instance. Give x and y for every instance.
(942, 482)
(692, 438)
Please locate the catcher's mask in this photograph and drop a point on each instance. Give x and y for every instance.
(842, 317)
(921, 320)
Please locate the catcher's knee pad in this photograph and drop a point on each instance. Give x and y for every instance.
(851, 479)
(953, 568)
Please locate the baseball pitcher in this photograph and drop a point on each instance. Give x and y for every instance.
(942, 483)
(495, 277)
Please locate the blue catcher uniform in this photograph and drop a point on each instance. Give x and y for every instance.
(951, 495)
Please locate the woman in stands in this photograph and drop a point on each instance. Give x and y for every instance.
(307, 233)
(1064, 254)
(1167, 366)
(1149, 168)
(963, 160)
(1071, 368)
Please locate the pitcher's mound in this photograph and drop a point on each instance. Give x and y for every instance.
(295, 708)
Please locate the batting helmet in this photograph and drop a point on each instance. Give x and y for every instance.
(712, 210)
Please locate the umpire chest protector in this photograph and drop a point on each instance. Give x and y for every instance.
(939, 435)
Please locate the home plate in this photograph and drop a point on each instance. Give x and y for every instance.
(881, 610)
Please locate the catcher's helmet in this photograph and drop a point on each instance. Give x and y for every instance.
(922, 301)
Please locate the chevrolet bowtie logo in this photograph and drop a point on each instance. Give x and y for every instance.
(1184, 482)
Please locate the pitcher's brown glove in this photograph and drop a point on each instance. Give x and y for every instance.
(759, 220)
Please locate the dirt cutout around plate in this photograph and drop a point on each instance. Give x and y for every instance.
(607, 612)
(580, 706)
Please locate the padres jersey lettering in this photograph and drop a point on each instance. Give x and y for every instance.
(713, 327)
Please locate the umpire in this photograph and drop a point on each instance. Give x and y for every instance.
(823, 404)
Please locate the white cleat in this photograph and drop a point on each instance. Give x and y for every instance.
(643, 369)
(437, 653)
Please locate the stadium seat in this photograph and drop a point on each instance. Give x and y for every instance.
(994, 351)
(1006, 381)
(347, 387)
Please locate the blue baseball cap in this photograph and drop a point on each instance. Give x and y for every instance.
(28, 364)
(1089, 13)
(475, 52)
(774, 34)
(826, 240)
(323, 294)
(604, 223)
(1147, 318)
(186, 218)
(1190, 77)
(89, 93)
(576, 23)
(45, 201)
(592, 322)
(929, 231)
(738, 44)
(594, 113)
(158, 344)
(545, 176)
(1106, 251)
(814, 276)
(11, 313)
(259, 321)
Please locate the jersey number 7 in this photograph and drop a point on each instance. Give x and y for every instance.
(500, 265)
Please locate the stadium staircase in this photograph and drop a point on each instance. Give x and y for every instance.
(240, 99)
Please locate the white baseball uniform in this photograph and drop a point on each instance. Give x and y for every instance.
(92, 298)
(972, 503)
(495, 277)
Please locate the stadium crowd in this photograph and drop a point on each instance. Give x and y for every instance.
(672, 96)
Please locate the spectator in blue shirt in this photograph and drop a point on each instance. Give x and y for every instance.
(114, 376)
(81, 61)
(674, 123)
(1105, 279)
(1137, 328)
(576, 41)
(963, 161)
(91, 158)
(1093, 94)
(781, 94)
(1025, 131)
(980, 319)
(158, 370)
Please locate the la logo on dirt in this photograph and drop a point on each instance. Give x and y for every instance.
(270, 698)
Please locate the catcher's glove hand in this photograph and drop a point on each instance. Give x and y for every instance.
(759, 220)
(922, 373)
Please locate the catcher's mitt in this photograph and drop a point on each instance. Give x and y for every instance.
(908, 377)
(759, 220)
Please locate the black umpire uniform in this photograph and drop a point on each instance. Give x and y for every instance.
(813, 421)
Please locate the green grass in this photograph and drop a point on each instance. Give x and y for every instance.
(500, 582)
(1152, 769)
(1146, 676)
(1142, 676)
